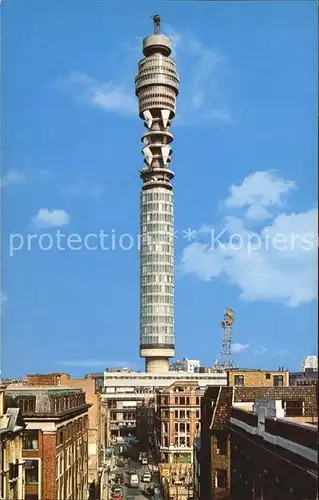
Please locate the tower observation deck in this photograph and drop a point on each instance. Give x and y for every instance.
(156, 86)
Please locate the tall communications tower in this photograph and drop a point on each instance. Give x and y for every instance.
(225, 358)
(156, 86)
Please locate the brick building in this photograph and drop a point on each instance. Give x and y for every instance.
(298, 403)
(55, 443)
(96, 422)
(11, 462)
(178, 420)
(257, 378)
(145, 424)
(272, 458)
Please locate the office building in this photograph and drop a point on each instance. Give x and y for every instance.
(55, 442)
(11, 461)
(123, 391)
(186, 365)
(178, 421)
(96, 415)
(298, 404)
(310, 363)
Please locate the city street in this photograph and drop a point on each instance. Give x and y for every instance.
(135, 493)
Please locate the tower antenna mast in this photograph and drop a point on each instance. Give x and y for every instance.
(225, 359)
(157, 24)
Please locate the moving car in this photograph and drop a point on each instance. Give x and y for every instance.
(117, 494)
(146, 477)
(119, 478)
(144, 461)
(120, 462)
(132, 471)
(134, 481)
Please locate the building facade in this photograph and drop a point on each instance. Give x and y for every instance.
(307, 377)
(55, 442)
(186, 365)
(156, 86)
(11, 461)
(257, 378)
(124, 390)
(145, 425)
(298, 404)
(310, 363)
(96, 422)
(272, 458)
(178, 421)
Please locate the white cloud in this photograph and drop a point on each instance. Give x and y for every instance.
(277, 264)
(239, 348)
(258, 191)
(51, 218)
(90, 363)
(259, 351)
(202, 69)
(82, 188)
(13, 178)
(104, 95)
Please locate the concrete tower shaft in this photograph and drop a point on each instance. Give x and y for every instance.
(156, 86)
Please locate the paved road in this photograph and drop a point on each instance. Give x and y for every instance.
(135, 493)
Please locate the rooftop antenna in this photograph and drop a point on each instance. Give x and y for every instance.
(225, 358)
(157, 24)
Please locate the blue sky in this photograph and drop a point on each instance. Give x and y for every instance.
(245, 162)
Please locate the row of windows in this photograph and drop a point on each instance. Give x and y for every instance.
(155, 207)
(157, 268)
(157, 257)
(166, 65)
(156, 329)
(157, 299)
(157, 289)
(157, 90)
(150, 177)
(159, 100)
(157, 59)
(157, 196)
(159, 77)
(157, 278)
(157, 339)
(157, 310)
(155, 238)
(159, 226)
(160, 103)
(156, 216)
(146, 320)
(157, 248)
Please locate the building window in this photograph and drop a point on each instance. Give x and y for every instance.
(31, 471)
(221, 478)
(30, 440)
(221, 444)
(278, 380)
(294, 409)
(268, 376)
(239, 380)
(26, 404)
